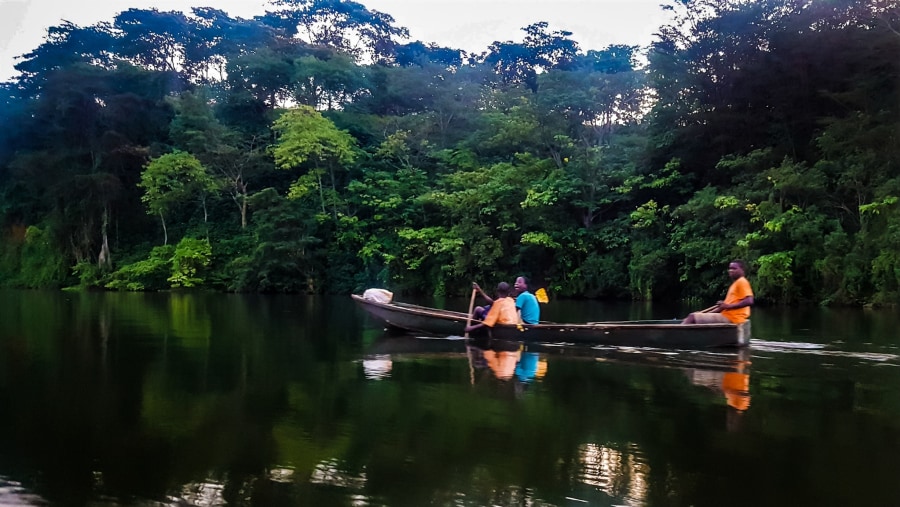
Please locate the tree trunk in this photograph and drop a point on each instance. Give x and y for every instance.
(244, 211)
(321, 190)
(104, 260)
(165, 232)
(205, 215)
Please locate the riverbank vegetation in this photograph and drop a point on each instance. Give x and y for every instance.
(317, 149)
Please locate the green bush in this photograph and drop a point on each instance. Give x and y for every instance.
(148, 274)
(192, 257)
(41, 265)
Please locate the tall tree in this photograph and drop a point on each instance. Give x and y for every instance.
(327, 81)
(171, 180)
(153, 39)
(306, 138)
(345, 25)
(520, 62)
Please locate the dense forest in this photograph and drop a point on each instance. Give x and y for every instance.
(317, 149)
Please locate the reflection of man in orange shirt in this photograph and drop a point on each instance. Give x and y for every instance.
(736, 386)
(502, 362)
(503, 310)
(735, 308)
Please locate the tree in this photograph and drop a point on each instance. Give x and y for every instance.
(265, 74)
(306, 138)
(153, 39)
(171, 180)
(343, 25)
(217, 38)
(327, 82)
(520, 62)
(235, 156)
(66, 45)
(420, 53)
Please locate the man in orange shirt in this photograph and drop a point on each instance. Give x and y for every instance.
(736, 306)
(502, 311)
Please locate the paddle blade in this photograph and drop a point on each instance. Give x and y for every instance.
(541, 295)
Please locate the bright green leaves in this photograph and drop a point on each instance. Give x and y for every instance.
(192, 257)
(182, 266)
(147, 274)
(541, 239)
(876, 208)
(307, 137)
(774, 276)
(173, 179)
(648, 215)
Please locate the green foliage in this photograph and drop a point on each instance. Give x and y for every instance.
(842, 271)
(705, 235)
(307, 138)
(88, 273)
(285, 257)
(40, 264)
(172, 179)
(304, 135)
(190, 260)
(774, 277)
(151, 274)
(757, 130)
(9, 261)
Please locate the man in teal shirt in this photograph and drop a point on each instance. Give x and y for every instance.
(526, 303)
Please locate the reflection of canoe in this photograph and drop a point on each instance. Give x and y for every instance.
(703, 367)
(641, 333)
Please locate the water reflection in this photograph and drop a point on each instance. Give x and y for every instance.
(207, 493)
(378, 366)
(500, 361)
(616, 473)
(180, 399)
(726, 372)
(734, 383)
(332, 474)
(13, 493)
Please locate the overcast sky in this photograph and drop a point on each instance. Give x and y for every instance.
(471, 25)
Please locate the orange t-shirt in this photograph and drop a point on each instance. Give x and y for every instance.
(738, 291)
(503, 311)
(502, 363)
(736, 387)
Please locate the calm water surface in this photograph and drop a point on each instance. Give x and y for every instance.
(211, 399)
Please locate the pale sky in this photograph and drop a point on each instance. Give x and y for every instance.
(471, 25)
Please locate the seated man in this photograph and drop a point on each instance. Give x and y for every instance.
(526, 302)
(735, 308)
(502, 311)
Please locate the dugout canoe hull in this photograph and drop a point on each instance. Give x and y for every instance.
(642, 333)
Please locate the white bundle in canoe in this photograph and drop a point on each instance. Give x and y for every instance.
(378, 295)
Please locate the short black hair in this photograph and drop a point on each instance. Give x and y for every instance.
(503, 289)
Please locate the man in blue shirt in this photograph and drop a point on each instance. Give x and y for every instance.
(526, 303)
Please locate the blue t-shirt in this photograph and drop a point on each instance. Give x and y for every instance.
(527, 367)
(531, 310)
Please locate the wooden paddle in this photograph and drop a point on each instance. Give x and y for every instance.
(711, 308)
(471, 309)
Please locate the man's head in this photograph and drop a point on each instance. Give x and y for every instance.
(736, 269)
(521, 285)
(503, 289)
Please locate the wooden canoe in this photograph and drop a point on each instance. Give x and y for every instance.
(640, 333)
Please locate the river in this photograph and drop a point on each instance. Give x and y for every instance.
(121, 399)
